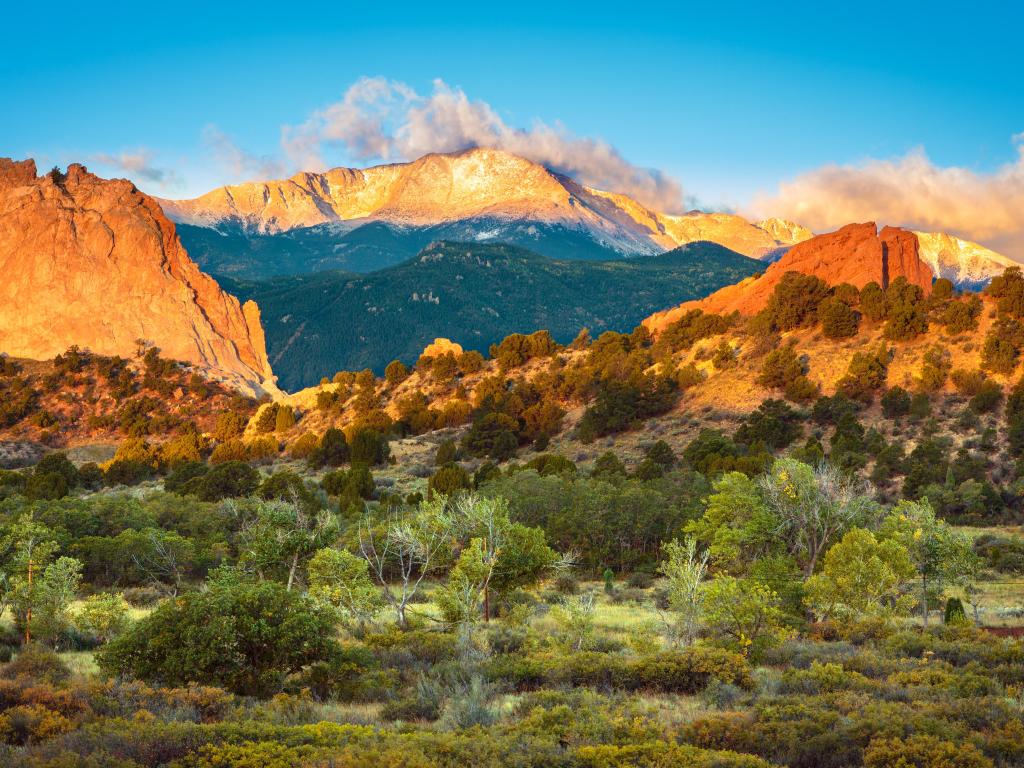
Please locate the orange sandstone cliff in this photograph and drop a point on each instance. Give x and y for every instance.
(857, 254)
(95, 262)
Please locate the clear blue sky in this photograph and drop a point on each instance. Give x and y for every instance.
(727, 97)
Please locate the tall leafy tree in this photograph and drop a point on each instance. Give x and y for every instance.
(861, 575)
(278, 537)
(814, 507)
(342, 580)
(940, 556)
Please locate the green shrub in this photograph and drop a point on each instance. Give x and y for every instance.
(232, 479)
(660, 753)
(396, 372)
(865, 375)
(954, 612)
(332, 451)
(127, 472)
(687, 671)
(987, 398)
(895, 403)
(838, 320)
(774, 424)
(244, 637)
(448, 480)
(36, 662)
(794, 301)
(922, 751)
(370, 447)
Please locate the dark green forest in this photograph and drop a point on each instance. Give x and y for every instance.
(235, 251)
(473, 294)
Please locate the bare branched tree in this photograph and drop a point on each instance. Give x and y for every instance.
(816, 507)
(161, 562)
(407, 546)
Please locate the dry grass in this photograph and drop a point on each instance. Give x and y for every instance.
(81, 663)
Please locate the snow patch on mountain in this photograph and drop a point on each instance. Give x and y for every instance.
(468, 188)
(965, 264)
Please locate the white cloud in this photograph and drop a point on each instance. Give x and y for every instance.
(240, 164)
(911, 191)
(139, 165)
(385, 120)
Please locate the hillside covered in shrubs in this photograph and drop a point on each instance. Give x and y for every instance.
(791, 539)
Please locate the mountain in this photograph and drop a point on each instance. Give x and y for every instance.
(313, 220)
(95, 263)
(967, 265)
(475, 294)
(855, 254)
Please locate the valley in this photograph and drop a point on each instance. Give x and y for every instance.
(476, 294)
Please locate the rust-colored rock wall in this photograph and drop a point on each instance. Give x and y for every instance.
(95, 262)
(857, 254)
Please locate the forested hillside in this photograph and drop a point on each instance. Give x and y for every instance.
(474, 294)
(232, 251)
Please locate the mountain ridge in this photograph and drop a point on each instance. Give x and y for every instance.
(962, 262)
(472, 184)
(366, 219)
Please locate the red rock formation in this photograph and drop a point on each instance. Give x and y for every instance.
(857, 254)
(96, 263)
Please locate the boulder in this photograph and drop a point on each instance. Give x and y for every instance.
(441, 346)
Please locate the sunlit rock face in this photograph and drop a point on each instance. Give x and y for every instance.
(477, 184)
(96, 263)
(440, 347)
(857, 254)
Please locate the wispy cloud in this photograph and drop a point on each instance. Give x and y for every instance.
(911, 191)
(139, 164)
(237, 162)
(385, 120)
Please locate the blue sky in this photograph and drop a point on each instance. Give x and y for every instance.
(728, 98)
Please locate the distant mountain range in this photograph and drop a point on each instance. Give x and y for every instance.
(232, 251)
(352, 268)
(361, 220)
(475, 294)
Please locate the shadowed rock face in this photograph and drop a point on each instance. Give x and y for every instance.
(857, 254)
(95, 262)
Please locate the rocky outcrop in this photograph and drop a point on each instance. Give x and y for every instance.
(473, 185)
(857, 254)
(96, 263)
(440, 347)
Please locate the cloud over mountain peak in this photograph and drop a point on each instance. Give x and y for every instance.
(387, 120)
